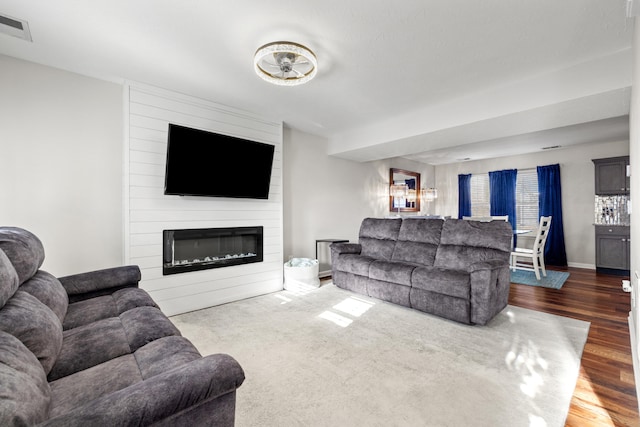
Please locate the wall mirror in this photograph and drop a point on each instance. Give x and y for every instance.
(404, 191)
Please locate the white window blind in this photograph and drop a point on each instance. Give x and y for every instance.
(480, 195)
(527, 199)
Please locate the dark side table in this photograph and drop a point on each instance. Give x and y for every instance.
(326, 271)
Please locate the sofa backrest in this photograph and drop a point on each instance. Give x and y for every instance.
(463, 243)
(33, 310)
(378, 237)
(26, 396)
(418, 241)
(24, 250)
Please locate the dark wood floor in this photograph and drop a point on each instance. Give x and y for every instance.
(605, 393)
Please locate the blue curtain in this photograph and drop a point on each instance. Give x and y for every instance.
(464, 195)
(502, 194)
(411, 183)
(550, 204)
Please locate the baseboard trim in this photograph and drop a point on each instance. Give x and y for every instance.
(613, 271)
(634, 355)
(582, 265)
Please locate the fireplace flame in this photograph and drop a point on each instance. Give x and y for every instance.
(210, 259)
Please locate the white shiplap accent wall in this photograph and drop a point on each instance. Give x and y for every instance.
(148, 111)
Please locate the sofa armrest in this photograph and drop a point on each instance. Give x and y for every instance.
(345, 248)
(160, 396)
(100, 282)
(490, 284)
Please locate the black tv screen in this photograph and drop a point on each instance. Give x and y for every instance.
(201, 163)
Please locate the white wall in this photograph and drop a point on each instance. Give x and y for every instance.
(61, 163)
(577, 176)
(328, 197)
(148, 211)
(634, 316)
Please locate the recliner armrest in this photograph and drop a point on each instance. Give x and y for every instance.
(490, 283)
(100, 282)
(345, 248)
(160, 396)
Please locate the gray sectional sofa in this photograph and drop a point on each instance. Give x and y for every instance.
(93, 349)
(455, 269)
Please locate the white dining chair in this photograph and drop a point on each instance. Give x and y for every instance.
(536, 254)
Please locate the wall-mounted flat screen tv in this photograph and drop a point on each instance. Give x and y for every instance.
(202, 163)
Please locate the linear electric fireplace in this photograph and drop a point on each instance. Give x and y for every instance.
(204, 248)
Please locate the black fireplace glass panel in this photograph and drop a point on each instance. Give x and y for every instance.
(200, 249)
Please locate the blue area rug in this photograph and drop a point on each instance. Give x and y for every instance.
(554, 279)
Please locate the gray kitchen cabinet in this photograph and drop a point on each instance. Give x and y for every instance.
(613, 247)
(611, 175)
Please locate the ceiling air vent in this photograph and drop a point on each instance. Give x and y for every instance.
(15, 27)
(551, 147)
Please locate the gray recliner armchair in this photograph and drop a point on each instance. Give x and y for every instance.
(94, 349)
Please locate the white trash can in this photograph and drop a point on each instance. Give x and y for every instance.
(301, 274)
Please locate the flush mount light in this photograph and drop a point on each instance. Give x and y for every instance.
(285, 63)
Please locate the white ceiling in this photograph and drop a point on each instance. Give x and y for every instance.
(430, 80)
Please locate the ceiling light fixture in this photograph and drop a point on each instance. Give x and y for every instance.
(285, 63)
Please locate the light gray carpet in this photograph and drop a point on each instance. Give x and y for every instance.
(334, 358)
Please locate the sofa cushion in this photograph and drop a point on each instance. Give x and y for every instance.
(378, 237)
(48, 290)
(95, 343)
(88, 311)
(89, 384)
(8, 279)
(355, 264)
(418, 241)
(378, 249)
(494, 234)
(421, 230)
(448, 282)
(146, 324)
(463, 243)
(24, 250)
(35, 325)
(414, 252)
(98, 308)
(380, 228)
(116, 374)
(350, 281)
(394, 293)
(164, 354)
(393, 272)
(191, 395)
(129, 298)
(25, 396)
(442, 305)
(462, 257)
(89, 345)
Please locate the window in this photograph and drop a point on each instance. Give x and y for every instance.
(526, 198)
(480, 195)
